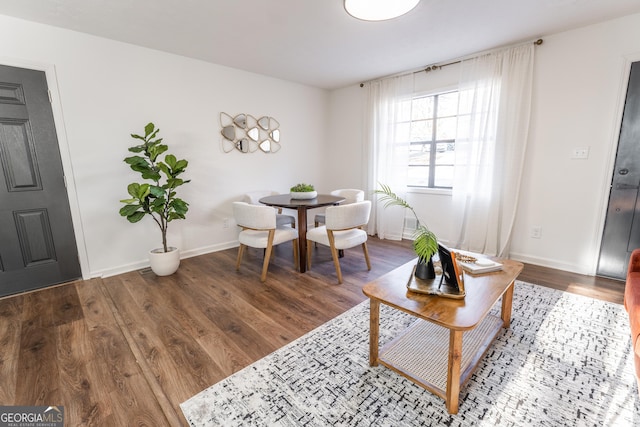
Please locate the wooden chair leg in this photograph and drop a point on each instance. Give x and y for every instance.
(267, 255)
(295, 253)
(308, 256)
(366, 255)
(240, 252)
(334, 255)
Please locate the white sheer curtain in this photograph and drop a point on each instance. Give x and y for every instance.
(387, 150)
(493, 125)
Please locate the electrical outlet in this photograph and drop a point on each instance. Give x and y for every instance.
(536, 232)
(580, 153)
(225, 223)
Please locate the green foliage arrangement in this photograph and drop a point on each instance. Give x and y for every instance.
(302, 188)
(425, 242)
(157, 197)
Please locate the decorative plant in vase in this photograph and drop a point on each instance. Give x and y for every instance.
(157, 196)
(425, 242)
(303, 191)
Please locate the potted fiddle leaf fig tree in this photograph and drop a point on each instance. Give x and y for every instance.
(425, 242)
(156, 195)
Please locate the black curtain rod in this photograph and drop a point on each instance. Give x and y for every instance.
(437, 67)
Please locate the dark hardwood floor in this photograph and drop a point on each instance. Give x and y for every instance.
(128, 349)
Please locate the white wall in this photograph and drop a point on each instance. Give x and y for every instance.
(107, 90)
(578, 96)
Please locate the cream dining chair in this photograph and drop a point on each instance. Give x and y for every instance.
(253, 197)
(351, 195)
(343, 230)
(259, 230)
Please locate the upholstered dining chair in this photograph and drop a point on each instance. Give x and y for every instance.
(351, 195)
(253, 197)
(259, 230)
(342, 230)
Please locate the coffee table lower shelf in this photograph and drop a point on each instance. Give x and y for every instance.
(421, 353)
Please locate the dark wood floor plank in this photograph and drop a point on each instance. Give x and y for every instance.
(37, 367)
(10, 330)
(139, 395)
(606, 289)
(112, 366)
(128, 349)
(74, 356)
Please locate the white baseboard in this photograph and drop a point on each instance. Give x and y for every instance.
(145, 263)
(552, 263)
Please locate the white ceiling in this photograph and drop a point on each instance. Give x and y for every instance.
(315, 42)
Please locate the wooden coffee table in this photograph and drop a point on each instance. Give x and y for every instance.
(431, 352)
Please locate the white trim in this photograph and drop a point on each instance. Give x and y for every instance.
(550, 263)
(430, 190)
(605, 192)
(437, 91)
(183, 255)
(65, 155)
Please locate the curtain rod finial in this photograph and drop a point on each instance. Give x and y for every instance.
(538, 42)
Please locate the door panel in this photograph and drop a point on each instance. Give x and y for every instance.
(622, 225)
(37, 241)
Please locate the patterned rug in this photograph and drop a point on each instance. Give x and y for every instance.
(565, 361)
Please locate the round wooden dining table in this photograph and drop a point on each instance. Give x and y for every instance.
(302, 206)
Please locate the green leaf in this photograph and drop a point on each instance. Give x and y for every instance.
(174, 182)
(425, 243)
(180, 206)
(139, 191)
(151, 174)
(136, 217)
(164, 168)
(170, 160)
(179, 167)
(136, 160)
(129, 210)
(148, 129)
(157, 191)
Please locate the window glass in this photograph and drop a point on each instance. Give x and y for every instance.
(422, 108)
(432, 134)
(421, 130)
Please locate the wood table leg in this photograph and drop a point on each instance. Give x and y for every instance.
(453, 373)
(302, 238)
(507, 302)
(374, 331)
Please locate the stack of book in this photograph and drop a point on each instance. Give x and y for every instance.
(474, 263)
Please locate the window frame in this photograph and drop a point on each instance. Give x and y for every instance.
(433, 143)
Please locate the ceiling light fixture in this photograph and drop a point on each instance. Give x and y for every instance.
(378, 10)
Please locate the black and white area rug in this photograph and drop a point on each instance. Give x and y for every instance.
(565, 361)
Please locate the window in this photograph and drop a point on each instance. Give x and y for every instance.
(431, 132)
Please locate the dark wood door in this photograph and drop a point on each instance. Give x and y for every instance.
(37, 241)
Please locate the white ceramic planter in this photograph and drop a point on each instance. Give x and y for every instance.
(305, 195)
(164, 263)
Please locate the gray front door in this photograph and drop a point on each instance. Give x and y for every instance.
(622, 225)
(37, 242)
